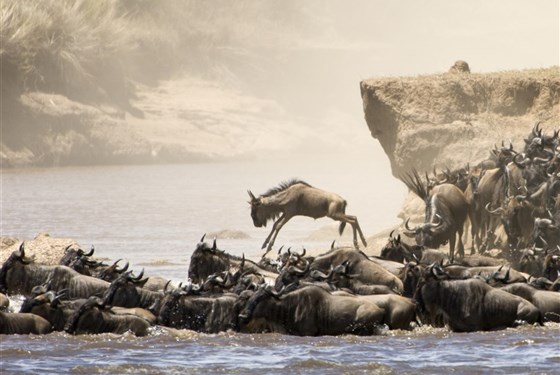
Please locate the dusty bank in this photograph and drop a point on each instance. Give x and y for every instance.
(44, 249)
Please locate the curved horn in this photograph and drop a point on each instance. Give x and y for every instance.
(280, 249)
(520, 164)
(166, 286)
(124, 269)
(51, 296)
(202, 239)
(320, 276)
(275, 293)
(298, 271)
(137, 278)
(413, 230)
(497, 211)
(332, 244)
(536, 131)
(436, 224)
(91, 251)
(214, 246)
(39, 289)
(251, 195)
(21, 250)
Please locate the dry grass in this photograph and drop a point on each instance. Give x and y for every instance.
(62, 44)
(92, 49)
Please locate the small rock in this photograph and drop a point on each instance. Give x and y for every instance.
(460, 66)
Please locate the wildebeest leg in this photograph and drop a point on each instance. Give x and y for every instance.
(451, 247)
(278, 224)
(353, 221)
(460, 247)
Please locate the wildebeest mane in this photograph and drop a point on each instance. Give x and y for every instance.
(413, 181)
(283, 186)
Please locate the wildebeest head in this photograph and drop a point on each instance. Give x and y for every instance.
(552, 267)
(110, 273)
(531, 261)
(291, 274)
(392, 249)
(170, 310)
(434, 272)
(410, 276)
(537, 141)
(122, 291)
(398, 251)
(431, 235)
(546, 232)
(17, 258)
(258, 214)
(206, 260)
(71, 254)
(264, 292)
(514, 215)
(87, 314)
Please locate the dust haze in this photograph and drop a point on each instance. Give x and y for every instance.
(275, 82)
(285, 75)
(281, 80)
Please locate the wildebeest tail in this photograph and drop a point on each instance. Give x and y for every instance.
(341, 227)
(413, 181)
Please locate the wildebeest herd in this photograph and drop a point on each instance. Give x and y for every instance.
(510, 205)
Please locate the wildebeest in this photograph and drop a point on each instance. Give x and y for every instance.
(79, 260)
(309, 311)
(127, 291)
(470, 305)
(399, 311)
(516, 215)
(548, 302)
(341, 277)
(202, 313)
(505, 275)
(446, 210)
(365, 270)
(398, 251)
(298, 198)
(49, 306)
(207, 260)
(20, 275)
(95, 317)
(23, 324)
(546, 232)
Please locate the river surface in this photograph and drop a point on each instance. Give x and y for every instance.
(153, 216)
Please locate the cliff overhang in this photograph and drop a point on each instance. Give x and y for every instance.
(450, 119)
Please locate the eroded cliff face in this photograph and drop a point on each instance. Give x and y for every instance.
(447, 120)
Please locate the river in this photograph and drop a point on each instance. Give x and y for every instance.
(153, 216)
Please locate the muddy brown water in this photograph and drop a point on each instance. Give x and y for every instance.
(154, 216)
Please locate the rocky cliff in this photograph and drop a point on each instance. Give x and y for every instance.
(447, 120)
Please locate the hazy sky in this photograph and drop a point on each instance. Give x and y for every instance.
(336, 44)
(422, 37)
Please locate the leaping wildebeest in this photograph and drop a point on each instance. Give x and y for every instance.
(298, 198)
